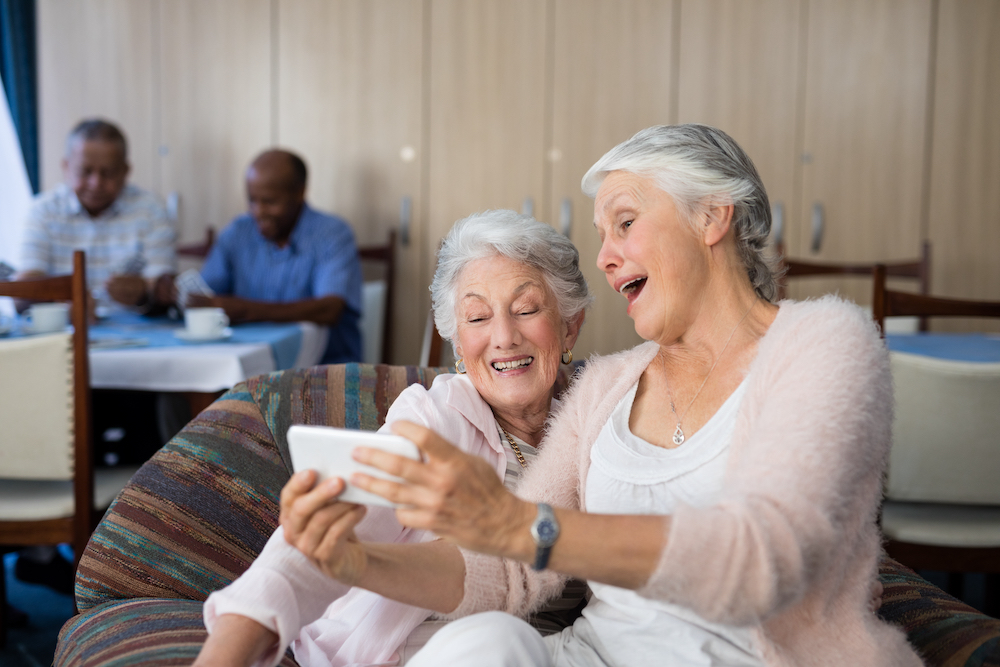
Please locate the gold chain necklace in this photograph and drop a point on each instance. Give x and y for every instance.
(513, 445)
(679, 433)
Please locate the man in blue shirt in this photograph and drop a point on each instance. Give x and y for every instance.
(286, 262)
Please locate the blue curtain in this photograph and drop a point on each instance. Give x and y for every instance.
(20, 80)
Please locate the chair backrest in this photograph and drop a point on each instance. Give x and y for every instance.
(198, 250)
(72, 288)
(36, 407)
(945, 431)
(889, 303)
(917, 269)
(376, 323)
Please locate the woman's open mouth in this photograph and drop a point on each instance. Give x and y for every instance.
(631, 289)
(505, 366)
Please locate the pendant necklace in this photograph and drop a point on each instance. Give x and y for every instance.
(678, 437)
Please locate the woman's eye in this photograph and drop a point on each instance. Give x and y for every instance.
(627, 224)
(529, 312)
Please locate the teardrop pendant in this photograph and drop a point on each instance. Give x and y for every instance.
(678, 435)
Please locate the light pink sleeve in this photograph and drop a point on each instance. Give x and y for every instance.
(803, 477)
(282, 590)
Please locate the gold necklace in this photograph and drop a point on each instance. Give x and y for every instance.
(513, 445)
(679, 433)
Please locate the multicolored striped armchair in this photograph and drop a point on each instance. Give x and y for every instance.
(196, 515)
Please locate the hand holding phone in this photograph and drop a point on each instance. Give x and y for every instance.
(327, 450)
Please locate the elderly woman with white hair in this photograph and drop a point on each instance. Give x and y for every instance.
(717, 486)
(508, 292)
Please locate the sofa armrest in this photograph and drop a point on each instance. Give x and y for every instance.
(945, 631)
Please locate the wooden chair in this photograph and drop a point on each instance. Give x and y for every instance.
(48, 493)
(380, 290)
(916, 269)
(942, 504)
(198, 250)
(432, 348)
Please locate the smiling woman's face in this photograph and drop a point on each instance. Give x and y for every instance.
(510, 333)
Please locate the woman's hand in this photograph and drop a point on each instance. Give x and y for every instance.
(321, 527)
(456, 495)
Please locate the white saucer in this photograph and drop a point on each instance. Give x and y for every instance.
(187, 337)
(29, 330)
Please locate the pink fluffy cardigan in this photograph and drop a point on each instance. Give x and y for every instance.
(791, 547)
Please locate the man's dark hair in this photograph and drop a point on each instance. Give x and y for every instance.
(299, 171)
(95, 129)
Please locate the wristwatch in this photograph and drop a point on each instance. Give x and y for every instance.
(545, 532)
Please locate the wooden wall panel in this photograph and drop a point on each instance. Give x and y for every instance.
(215, 104)
(964, 217)
(613, 75)
(95, 59)
(487, 109)
(349, 100)
(740, 71)
(865, 118)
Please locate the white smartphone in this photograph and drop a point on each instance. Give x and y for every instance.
(327, 450)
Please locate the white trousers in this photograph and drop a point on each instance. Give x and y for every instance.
(490, 639)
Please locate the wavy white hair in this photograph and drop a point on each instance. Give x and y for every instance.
(517, 237)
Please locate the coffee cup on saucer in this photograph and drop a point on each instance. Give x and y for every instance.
(48, 317)
(205, 323)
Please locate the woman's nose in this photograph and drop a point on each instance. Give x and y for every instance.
(608, 259)
(505, 333)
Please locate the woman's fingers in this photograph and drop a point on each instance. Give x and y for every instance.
(426, 440)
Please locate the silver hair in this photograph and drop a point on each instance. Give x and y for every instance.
(514, 236)
(699, 166)
(96, 129)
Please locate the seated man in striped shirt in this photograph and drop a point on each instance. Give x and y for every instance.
(125, 231)
(284, 261)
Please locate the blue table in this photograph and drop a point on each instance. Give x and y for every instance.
(976, 347)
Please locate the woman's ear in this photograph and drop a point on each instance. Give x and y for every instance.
(718, 220)
(573, 329)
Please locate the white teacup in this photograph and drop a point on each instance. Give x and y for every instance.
(48, 317)
(205, 322)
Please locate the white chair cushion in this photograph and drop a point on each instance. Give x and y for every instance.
(36, 407)
(942, 525)
(946, 434)
(38, 500)
(373, 295)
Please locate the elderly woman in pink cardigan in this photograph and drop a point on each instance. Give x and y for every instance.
(717, 486)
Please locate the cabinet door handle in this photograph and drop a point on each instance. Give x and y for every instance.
(778, 222)
(817, 227)
(566, 217)
(405, 217)
(528, 206)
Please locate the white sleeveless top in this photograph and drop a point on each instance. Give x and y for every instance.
(631, 476)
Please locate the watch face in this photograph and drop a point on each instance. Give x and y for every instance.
(547, 532)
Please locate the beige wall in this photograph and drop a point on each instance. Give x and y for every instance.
(880, 111)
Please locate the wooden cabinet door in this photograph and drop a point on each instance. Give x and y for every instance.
(612, 76)
(964, 220)
(350, 81)
(95, 59)
(740, 68)
(487, 110)
(864, 129)
(215, 109)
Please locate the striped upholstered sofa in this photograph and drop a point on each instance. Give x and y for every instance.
(195, 516)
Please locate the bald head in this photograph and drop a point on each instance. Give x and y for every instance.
(276, 185)
(283, 168)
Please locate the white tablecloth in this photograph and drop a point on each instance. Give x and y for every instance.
(200, 368)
